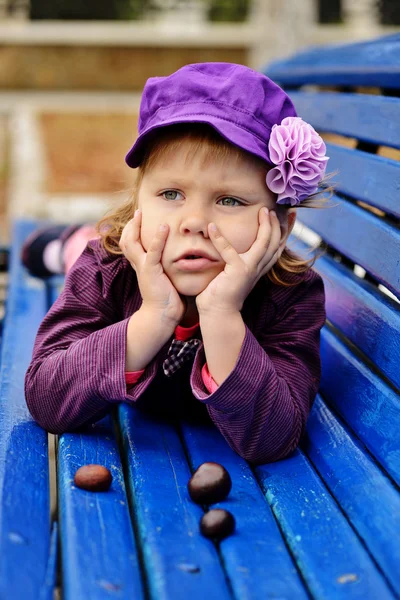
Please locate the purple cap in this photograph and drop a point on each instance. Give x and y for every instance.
(241, 104)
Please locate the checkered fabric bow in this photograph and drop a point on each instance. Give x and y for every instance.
(178, 353)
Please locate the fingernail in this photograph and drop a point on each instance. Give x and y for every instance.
(266, 211)
(137, 212)
(163, 227)
(273, 213)
(213, 227)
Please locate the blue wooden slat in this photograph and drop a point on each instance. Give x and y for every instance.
(331, 51)
(24, 481)
(361, 236)
(367, 177)
(99, 556)
(367, 497)
(334, 562)
(374, 119)
(291, 75)
(50, 583)
(367, 405)
(367, 317)
(256, 559)
(373, 63)
(166, 517)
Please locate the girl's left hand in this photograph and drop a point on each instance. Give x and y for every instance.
(228, 291)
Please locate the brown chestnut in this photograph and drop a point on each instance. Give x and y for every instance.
(217, 523)
(94, 478)
(209, 484)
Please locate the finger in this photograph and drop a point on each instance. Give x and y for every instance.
(268, 238)
(275, 247)
(275, 238)
(131, 229)
(263, 238)
(157, 245)
(130, 238)
(136, 224)
(267, 267)
(225, 249)
(269, 229)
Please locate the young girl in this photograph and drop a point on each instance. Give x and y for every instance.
(189, 302)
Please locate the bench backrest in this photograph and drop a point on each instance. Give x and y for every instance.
(350, 94)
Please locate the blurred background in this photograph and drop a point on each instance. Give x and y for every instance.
(71, 75)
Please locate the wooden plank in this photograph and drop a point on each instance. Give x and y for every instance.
(179, 561)
(354, 50)
(334, 562)
(364, 493)
(367, 76)
(368, 406)
(51, 582)
(377, 182)
(368, 63)
(366, 316)
(99, 555)
(256, 559)
(370, 118)
(25, 544)
(366, 239)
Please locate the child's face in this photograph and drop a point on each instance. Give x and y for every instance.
(188, 194)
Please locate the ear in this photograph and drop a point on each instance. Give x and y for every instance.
(287, 222)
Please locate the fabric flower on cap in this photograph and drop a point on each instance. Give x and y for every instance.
(298, 152)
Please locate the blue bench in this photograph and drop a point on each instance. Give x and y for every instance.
(323, 523)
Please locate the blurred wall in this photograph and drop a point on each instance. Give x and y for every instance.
(121, 54)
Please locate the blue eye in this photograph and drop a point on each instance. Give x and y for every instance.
(170, 194)
(231, 201)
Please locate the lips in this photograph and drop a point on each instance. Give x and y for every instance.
(192, 257)
(195, 254)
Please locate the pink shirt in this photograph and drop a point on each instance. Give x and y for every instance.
(183, 334)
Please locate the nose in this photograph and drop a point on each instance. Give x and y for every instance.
(194, 220)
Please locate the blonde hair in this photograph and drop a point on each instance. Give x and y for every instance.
(200, 136)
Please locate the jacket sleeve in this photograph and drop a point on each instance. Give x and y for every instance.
(77, 371)
(262, 407)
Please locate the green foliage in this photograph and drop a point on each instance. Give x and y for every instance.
(217, 10)
(131, 9)
(88, 10)
(228, 10)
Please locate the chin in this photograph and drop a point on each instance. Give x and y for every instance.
(191, 285)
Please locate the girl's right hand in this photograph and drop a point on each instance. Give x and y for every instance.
(157, 290)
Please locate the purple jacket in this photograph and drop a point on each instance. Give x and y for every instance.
(77, 372)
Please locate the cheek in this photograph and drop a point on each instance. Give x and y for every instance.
(145, 237)
(242, 236)
(148, 229)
